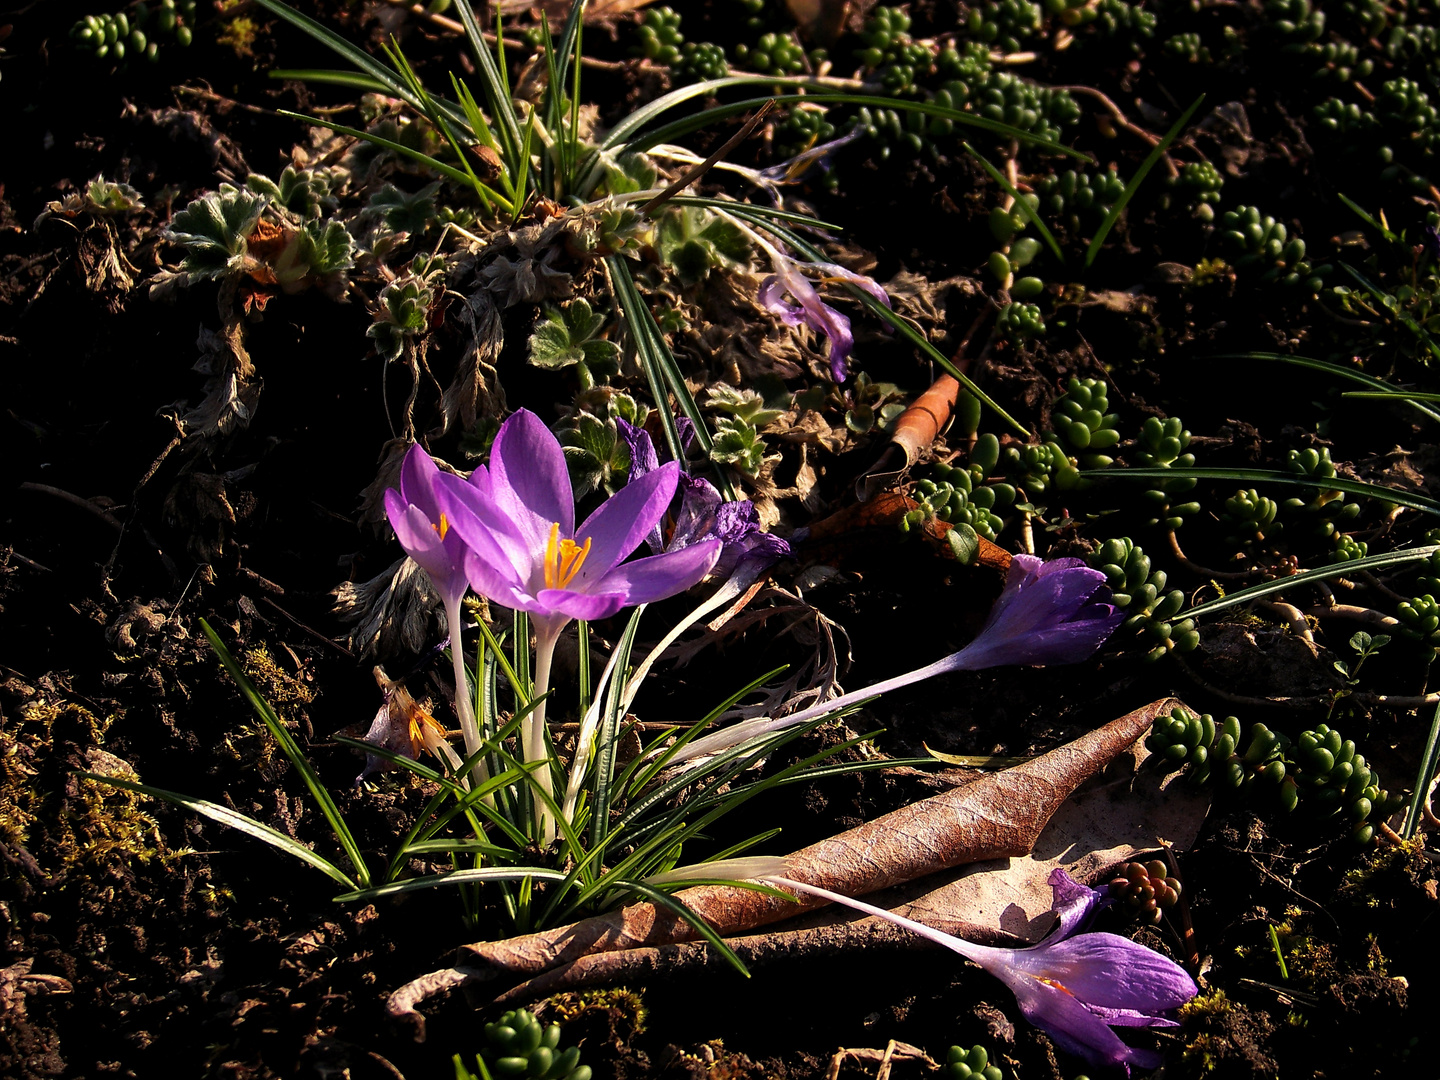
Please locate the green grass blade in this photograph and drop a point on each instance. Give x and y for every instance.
(356, 56)
(448, 171)
(624, 134)
(1269, 476)
(1269, 588)
(607, 738)
(225, 816)
(318, 791)
(1393, 308)
(1364, 215)
(1423, 779)
(495, 84)
(663, 899)
(454, 877)
(353, 79)
(1339, 371)
(662, 371)
(761, 215)
(1411, 396)
(1025, 208)
(648, 768)
(1114, 212)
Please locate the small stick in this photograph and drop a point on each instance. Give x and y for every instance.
(696, 171)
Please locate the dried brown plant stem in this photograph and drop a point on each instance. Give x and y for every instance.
(695, 172)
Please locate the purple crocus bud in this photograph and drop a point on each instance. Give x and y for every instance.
(1054, 612)
(1071, 986)
(527, 553)
(805, 305)
(418, 515)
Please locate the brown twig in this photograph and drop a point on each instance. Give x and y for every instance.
(696, 171)
(1196, 568)
(1125, 123)
(75, 500)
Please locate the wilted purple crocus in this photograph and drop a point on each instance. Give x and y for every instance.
(526, 553)
(1071, 986)
(1055, 612)
(805, 305)
(704, 515)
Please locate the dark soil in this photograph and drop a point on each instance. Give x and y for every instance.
(140, 940)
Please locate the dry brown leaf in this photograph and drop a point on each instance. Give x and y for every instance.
(1116, 816)
(1001, 815)
(1124, 813)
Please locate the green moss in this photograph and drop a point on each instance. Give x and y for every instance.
(621, 1007)
(63, 820)
(1213, 1003)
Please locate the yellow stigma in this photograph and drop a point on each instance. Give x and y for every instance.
(1058, 986)
(442, 528)
(563, 559)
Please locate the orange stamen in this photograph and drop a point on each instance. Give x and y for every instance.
(442, 528)
(1058, 986)
(563, 559)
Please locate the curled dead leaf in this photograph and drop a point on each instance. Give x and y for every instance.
(1001, 815)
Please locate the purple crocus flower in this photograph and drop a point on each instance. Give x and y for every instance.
(1054, 612)
(422, 513)
(417, 513)
(526, 553)
(805, 305)
(1071, 986)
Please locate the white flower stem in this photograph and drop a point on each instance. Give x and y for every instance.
(749, 729)
(546, 637)
(983, 955)
(464, 696)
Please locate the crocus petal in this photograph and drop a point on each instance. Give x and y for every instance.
(1073, 902)
(658, 576)
(417, 475)
(870, 285)
(417, 535)
(643, 458)
(1111, 972)
(586, 605)
(698, 517)
(621, 522)
(530, 483)
(498, 583)
(772, 298)
(1075, 1028)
